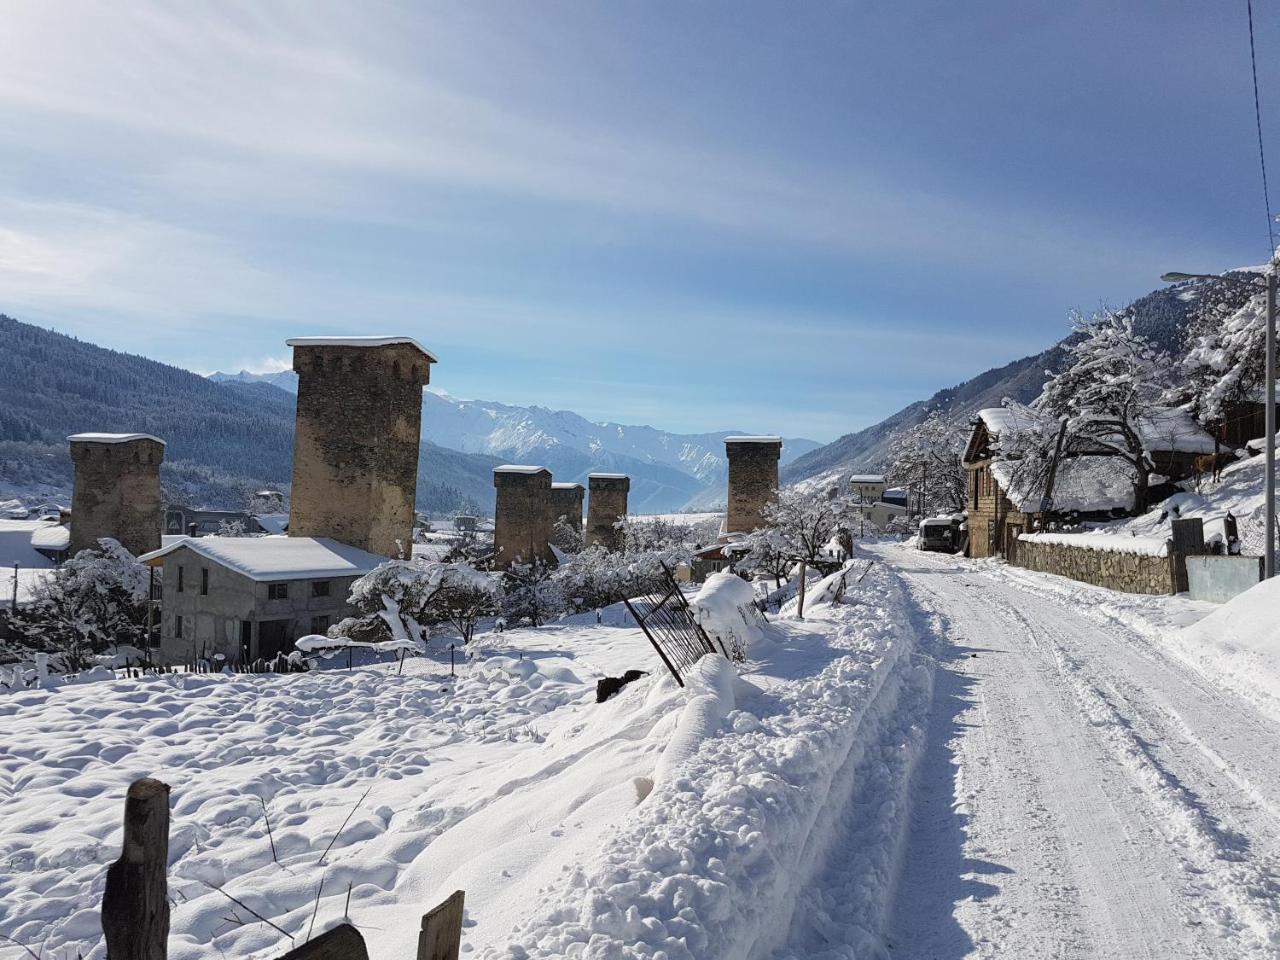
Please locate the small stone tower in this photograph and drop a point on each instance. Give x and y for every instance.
(566, 501)
(117, 490)
(355, 446)
(605, 504)
(753, 480)
(522, 515)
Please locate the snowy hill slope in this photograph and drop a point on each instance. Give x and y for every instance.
(1163, 316)
(668, 470)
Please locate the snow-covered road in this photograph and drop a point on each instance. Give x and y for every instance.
(1082, 793)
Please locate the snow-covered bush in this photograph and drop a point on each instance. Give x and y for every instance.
(96, 600)
(401, 598)
(725, 608)
(532, 594)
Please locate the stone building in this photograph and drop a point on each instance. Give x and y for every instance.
(252, 597)
(522, 515)
(356, 445)
(117, 490)
(606, 505)
(566, 504)
(753, 480)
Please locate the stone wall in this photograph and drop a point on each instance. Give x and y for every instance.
(606, 503)
(566, 501)
(753, 480)
(522, 515)
(117, 493)
(355, 449)
(1129, 572)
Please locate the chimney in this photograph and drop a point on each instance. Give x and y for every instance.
(356, 443)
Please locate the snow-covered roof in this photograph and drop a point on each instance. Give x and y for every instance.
(112, 437)
(1144, 546)
(566, 486)
(360, 341)
(606, 476)
(16, 546)
(867, 478)
(998, 420)
(1174, 429)
(272, 522)
(276, 558)
(55, 536)
(520, 468)
(1082, 483)
(760, 439)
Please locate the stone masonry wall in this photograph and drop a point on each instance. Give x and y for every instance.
(1129, 572)
(753, 482)
(355, 449)
(117, 494)
(566, 501)
(606, 502)
(522, 518)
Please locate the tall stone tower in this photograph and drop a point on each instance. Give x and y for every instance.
(753, 480)
(607, 501)
(117, 490)
(355, 446)
(522, 515)
(566, 501)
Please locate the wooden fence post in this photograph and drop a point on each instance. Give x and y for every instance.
(135, 906)
(441, 935)
(343, 942)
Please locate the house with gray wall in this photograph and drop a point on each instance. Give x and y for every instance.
(252, 597)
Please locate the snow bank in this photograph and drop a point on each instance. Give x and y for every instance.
(709, 687)
(725, 607)
(1102, 540)
(1241, 640)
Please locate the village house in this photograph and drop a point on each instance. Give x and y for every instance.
(251, 597)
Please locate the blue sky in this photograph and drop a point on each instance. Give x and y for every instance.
(789, 217)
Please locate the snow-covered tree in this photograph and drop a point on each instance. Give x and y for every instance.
(769, 554)
(1225, 363)
(531, 594)
(232, 528)
(401, 599)
(804, 521)
(1111, 395)
(94, 601)
(929, 458)
(566, 537)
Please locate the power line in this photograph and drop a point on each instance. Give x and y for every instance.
(1262, 157)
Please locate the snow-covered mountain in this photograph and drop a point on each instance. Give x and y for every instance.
(668, 470)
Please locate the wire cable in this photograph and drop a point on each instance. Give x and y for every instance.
(1262, 156)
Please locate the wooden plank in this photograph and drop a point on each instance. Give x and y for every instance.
(135, 905)
(441, 935)
(343, 942)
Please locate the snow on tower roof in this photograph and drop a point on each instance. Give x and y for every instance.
(520, 468)
(361, 341)
(759, 439)
(112, 437)
(606, 476)
(276, 558)
(566, 486)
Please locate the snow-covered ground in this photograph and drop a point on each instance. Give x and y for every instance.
(664, 822)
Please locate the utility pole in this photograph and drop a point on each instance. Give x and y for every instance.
(15, 587)
(1269, 561)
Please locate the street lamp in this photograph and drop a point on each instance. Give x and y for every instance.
(1269, 467)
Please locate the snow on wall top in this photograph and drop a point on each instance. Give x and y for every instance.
(519, 468)
(760, 439)
(360, 341)
(112, 437)
(1145, 546)
(276, 558)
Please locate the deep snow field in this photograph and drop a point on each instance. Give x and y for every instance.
(663, 823)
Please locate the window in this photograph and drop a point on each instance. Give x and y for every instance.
(319, 588)
(277, 591)
(319, 624)
(204, 581)
(177, 625)
(181, 571)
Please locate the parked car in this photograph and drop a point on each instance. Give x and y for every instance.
(939, 534)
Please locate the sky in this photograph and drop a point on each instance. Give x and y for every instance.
(785, 217)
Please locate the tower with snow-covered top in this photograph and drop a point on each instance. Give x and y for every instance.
(753, 480)
(117, 490)
(606, 505)
(522, 515)
(355, 446)
(566, 502)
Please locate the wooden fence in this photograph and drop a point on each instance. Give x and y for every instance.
(135, 905)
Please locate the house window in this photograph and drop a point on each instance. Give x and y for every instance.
(319, 624)
(177, 626)
(181, 572)
(204, 581)
(277, 591)
(319, 588)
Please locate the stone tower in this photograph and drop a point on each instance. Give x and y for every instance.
(566, 501)
(117, 490)
(522, 515)
(355, 446)
(753, 480)
(605, 504)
